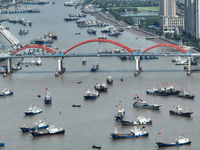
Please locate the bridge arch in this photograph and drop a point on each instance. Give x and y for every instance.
(35, 46)
(100, 40)
(165, 45)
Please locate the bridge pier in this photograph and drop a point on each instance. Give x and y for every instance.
(9, 61)
(189, 66)
(138, 69)
(61, 68)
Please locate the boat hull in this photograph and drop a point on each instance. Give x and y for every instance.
(91, 97)
(45, 133)
(26, 129)
(47, 101)
(122, 136)
(11, 93)
(160, 144)
(32, 113)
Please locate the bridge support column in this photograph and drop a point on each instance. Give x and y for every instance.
(189, 66)
(9, 61)
(61, 68)
(137, 63)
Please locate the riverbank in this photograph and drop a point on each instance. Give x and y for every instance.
(137, 31)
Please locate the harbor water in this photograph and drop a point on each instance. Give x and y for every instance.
(94, 120)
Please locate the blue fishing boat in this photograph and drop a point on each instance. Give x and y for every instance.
(179, 141)
(32, 110)
(95, 67)
(6, 92)
(39, 125)
(136, 132)
(48, 98)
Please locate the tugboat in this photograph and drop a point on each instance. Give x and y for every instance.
(6, 92)
(178, 111)
(137, 132)
(32, 110)
(95, 67)
(120, 114)
(2, 144)
(109, 79)
(91, 95)
(179, 141)
(141, 120)
(143, 104)
(39, 125)
(48, 98)
(185, 94)
(50, 131)
(84, 61)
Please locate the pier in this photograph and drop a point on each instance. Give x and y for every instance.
(13, 40)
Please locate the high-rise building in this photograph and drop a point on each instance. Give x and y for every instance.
(170, 20)
(192, 17)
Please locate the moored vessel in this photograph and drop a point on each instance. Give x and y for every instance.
(50, 131)
(185, 94)
(84, 61)
(109, 79)
(143, 104)
(141, 120)
(101, 87)
(179, 141)
(178, 111)
(95, 67)
(136, 132)
(91, 94)
(47, 98)
(32, 110)
(120, 113)
(39, 125)
(2, 144)
(6, 92)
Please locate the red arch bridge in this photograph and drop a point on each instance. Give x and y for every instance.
(130, 52)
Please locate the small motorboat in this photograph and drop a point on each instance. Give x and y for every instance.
(97, 147)
(76, 105)
(39, 95)
(2, 144)
(26, 65)
(77, 33)
(79, 82)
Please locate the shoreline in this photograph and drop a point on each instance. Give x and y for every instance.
(139, 32)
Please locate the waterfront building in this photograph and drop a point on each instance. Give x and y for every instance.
(169, 19)
(192, 14)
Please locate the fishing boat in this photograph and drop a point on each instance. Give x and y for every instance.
(95, 67)
(178, 111)
(143, 104)
(32, 110)
(141, 120)
(39, 62)
(52, 35)
(120, 113)
(109, 79)
(91, 31)
(185, 94)
(76, 105)
(23, 31)
(39, 125)
(2, 144)
(179, 141)
(136, 132)
(6, 92)
(91, 94)
(101, 87)
(84, 61)
(51, 130)
(47, 98)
